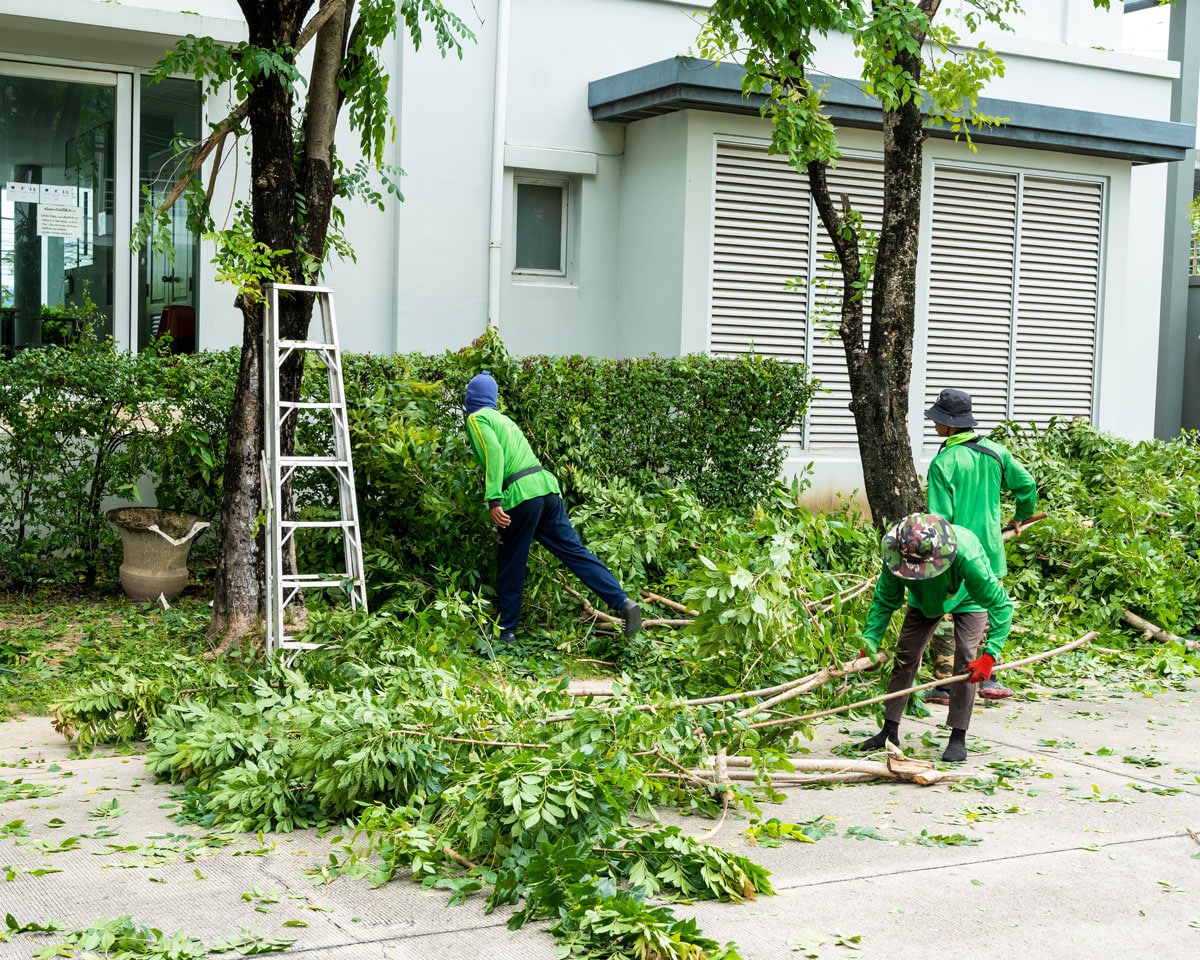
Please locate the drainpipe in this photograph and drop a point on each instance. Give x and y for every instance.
(499, 117)
(397, 95)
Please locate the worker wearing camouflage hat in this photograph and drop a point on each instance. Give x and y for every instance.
(944, 569)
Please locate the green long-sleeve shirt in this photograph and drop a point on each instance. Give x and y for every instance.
(965, 486)
(970, 572)
(502, 450)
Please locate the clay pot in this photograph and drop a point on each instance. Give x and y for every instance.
(156, 544)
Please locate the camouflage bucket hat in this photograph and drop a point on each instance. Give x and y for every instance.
(920, 546)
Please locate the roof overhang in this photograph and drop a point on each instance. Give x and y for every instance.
(689, 83)
(103, 33)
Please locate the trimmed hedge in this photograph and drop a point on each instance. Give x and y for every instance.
(85, 424)
(713, 423)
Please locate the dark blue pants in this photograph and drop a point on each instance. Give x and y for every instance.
(543, 519)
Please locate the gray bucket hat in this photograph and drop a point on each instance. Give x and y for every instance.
(953, 409)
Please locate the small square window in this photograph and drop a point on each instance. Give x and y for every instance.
(541, 247)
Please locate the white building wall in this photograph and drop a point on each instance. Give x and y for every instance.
(641, 192)
(653, 222)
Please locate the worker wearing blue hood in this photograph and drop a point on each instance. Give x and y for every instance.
(525, 503)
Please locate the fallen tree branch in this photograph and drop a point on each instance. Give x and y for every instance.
(958, 678)
(827, 604)
(1154, 632)
(459, 858)
(669, 604)
(898, 767)
(798, 688)
(1009, 532)
(857, 665)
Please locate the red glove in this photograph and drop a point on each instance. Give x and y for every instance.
(980, 668)
(864, 653)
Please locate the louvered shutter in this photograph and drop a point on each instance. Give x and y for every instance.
(971, 274)
(830, 422)
(1057, 299)
(760, 242)
(763, 228)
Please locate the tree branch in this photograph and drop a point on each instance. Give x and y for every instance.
(216, 139)
(958, 678)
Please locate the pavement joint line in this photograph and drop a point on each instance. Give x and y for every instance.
(972, 863)
(296, 950)
(1090, 765)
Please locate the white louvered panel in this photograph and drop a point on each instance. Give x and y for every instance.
(1057, 299)
(972, 252)
(760, 243)
(830, 422)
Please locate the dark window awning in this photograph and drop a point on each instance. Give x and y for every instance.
(689, 83)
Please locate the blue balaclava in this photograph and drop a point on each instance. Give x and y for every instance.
(481, 392)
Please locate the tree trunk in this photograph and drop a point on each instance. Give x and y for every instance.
(880, 366)
(237, 600)
(238, 594)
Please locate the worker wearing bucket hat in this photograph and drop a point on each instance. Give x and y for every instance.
(966, 478)
(941, 567)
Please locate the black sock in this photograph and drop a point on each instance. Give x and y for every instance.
(956, 749)
(890, 731)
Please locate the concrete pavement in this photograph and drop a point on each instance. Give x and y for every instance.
(1084, 852)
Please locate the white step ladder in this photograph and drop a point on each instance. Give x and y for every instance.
(327, 419)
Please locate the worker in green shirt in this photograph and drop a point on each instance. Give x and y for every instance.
(943, 569)
(525, 503)
(966, 478)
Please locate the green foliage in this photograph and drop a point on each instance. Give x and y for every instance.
(612, 430)
(243, 257)
(120, 707)
(778, 42)
(640, 421)
(86, 423)
(248, 264)
(1122, 533)
(122, 938)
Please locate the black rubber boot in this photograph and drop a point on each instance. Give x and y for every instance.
(631, 618)
(890, 731)
(956, 749)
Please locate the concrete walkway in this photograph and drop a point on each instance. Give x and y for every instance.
(1085, 855)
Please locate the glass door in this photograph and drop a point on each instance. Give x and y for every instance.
(169, 114)
(59, 273)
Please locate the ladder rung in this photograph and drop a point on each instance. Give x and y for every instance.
(310, 404)
(311, 582)
(304, 345)
(318, 524)
(313, 462)
(286, 644)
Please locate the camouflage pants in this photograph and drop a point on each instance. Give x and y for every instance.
(942, 648)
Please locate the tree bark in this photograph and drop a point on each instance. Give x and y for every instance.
(237, 600)
(238, 593)
(280, 224)
(879, 366)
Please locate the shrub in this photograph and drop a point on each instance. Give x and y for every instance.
(86, 423)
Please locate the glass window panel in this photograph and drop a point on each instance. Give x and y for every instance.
(540, 227)
(169, 116)
(57, 211)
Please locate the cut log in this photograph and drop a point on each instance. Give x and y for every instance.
(1153, 632)
(806, 770)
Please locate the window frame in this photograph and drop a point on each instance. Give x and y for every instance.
(563, 183)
